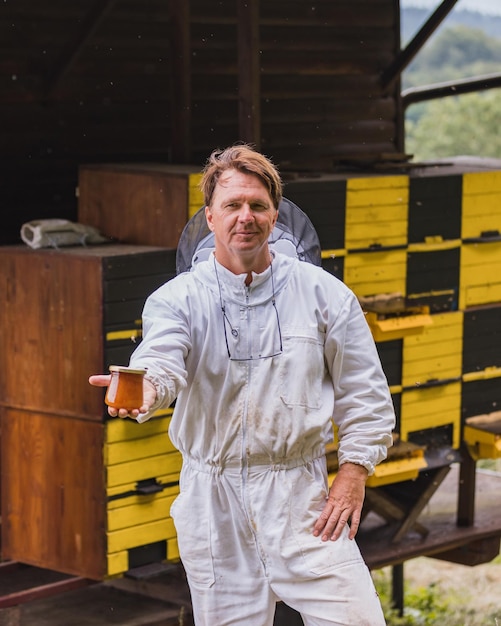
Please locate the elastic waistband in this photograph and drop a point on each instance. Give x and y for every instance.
(252, 464)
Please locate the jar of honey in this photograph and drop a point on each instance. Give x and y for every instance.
(125, 390)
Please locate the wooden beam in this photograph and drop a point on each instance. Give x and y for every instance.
(451, 88)
(249, 83)
(466, 492)
(395, 69)
(71, 53)
(181, 81)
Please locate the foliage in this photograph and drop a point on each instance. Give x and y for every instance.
(458, 52)
(459, 125)
(428, 606)
(455, 125)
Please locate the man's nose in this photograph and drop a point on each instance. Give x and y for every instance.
(246, 214)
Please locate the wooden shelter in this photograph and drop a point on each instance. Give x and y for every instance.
(109, 110)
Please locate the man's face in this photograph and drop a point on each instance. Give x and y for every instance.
(241, 216)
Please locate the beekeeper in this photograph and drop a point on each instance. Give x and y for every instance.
(262, 351)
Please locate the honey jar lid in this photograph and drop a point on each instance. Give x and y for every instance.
(126, 370)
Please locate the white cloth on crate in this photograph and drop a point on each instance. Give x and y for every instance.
(234, 420)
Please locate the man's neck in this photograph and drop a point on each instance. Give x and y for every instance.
(242, 266)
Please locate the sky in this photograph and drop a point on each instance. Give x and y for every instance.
(489, 7)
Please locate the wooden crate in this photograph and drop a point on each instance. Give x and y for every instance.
(146, 203)
(53, 497)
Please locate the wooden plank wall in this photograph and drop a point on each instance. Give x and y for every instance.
(159, 80)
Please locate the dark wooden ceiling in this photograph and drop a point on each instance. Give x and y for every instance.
(169, 80)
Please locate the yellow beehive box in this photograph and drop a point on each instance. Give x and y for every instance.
(142, 481)
(482, 435)
(481, 211)
(480, 273)
(436, 352)
(376, 211)
(369, 273)
(429, 407)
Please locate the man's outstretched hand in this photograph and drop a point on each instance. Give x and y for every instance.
(149, 396)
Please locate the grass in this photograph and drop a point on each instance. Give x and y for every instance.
(429, 606)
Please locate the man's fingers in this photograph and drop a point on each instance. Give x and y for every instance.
(100, 380)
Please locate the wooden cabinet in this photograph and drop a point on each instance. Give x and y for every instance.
(81, 493)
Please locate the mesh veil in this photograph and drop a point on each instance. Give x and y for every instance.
(292, 225)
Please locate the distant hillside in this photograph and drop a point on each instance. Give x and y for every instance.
(412, 19)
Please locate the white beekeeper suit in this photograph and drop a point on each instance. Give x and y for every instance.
(258, 372)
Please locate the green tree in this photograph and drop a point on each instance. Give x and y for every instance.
(458, 125)
(457, 52)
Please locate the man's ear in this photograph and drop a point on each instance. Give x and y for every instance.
(208, 217)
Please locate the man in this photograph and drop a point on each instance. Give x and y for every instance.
(261, 351)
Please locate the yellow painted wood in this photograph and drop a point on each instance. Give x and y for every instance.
(195, 196)
(127, 429)
(489, 372)
(480, 257)
(481, 182)
(123, 451)
(431, 407)
(390, 328)
(436, 353)
(142, 469)
(482, 435)
(133, 333)
(172, 550)
(333, 254)
(435, 244)
(370, 273)
(118, 490)
(486, 294)
(118, 563)
(423, 403)
(150, 509)
(437, 368)
(365, 216)
(378, 182)
(481, 213)
(140, 535)
(482, 206)
(480, 274)
(376, 232)
(396, 471)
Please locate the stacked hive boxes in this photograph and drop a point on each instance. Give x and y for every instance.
(423, 254)
(142, 480)
(95, 496)
(480, 297)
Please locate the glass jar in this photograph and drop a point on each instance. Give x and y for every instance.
(125, 390)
